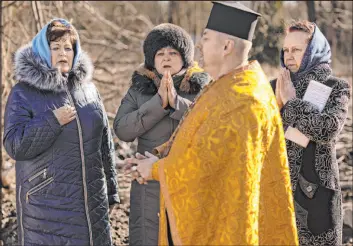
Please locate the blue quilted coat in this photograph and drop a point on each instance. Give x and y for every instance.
(65, 175)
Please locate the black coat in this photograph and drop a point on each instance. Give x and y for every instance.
(65, 175)
(314, 169)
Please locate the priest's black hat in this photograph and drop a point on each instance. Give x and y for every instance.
(233, 18)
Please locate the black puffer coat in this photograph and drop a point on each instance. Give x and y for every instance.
(65, 175)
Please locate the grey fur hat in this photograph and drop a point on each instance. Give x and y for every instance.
(164, 35)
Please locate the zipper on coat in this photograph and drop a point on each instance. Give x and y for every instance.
(83, 168)
(171, 127)
(38, 187)
(44, 172)
(21, 220)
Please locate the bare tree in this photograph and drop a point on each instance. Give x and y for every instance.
(311, 11)
(1, 101)
(172, 12)
(38, 16)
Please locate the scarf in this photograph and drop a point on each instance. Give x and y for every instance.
(317, 54)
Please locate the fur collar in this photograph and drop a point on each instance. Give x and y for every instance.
(147, 82)
(30, 69)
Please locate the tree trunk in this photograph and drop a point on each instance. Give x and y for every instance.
(170, 11)
(40, 14)
(311, 11)
(35, 15)
(1, 101)
(173, 12)
(333, 38)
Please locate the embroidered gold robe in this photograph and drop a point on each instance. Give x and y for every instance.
(225, 180)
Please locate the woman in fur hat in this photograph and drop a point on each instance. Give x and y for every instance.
(57, 130)
(161, 91)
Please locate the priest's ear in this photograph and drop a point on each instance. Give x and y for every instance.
(229, 46)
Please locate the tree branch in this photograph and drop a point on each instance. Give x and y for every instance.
(116, 47)
(24, 31)
(101, 81)
(40, 14)
(9, 38)
(59, 6)
(10, 4)
(35, 15)
(123, 32)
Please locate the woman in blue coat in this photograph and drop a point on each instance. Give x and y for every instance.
(57, 130)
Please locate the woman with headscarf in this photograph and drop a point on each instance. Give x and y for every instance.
(57, 130)
(161, 91)
(305, 58)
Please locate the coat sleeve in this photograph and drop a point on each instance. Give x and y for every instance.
(132, 121)
(108, 159)
(181, 105)
(319, 126)
(27, 136)
(155, 175)
(273, 84)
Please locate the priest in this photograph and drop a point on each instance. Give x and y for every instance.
(224, 175)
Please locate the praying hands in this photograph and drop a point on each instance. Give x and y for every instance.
(167, 91)
(285, 90)
(140, 167)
